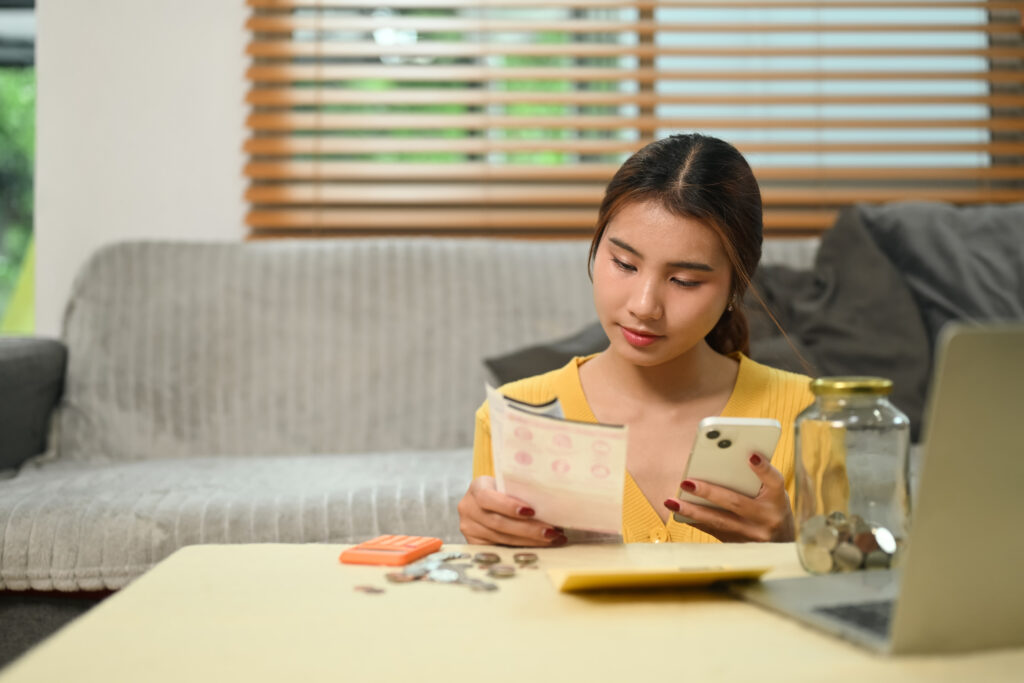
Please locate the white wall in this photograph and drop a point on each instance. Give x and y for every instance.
(140, 126)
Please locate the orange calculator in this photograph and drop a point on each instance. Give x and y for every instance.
(392, 550)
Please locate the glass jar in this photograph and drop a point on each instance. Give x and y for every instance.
(852, 480)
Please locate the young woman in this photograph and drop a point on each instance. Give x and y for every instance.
(678, 238)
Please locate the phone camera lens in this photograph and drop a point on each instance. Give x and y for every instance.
(724, 443)
(713, 434)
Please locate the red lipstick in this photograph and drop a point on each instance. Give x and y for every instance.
(637, 338)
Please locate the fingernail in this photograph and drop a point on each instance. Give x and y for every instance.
(559, 529)
(552, 533)
(525, 512)
(689, 486)
(755, 460)
(561, 540)
(672, 505)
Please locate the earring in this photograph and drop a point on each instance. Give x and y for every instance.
(730, 306)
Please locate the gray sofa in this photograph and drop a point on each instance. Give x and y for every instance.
(309, 392)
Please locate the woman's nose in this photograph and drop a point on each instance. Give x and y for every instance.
(645, 300)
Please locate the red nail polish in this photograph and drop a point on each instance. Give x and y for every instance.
(561, 540)
(689, 486)
(672, 505)
(551, 533)
(525, 512)
(755, 460)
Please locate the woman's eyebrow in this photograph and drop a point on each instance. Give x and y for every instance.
(685, 265)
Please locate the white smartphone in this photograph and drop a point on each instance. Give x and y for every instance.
(721, 455)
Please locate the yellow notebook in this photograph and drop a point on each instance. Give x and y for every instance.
(573, 580)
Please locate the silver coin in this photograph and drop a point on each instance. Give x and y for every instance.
(487, 558)
(443, 575)
(816, 559)
(885, 540)
(847, 557)
(445, 556)
(876, 559)
(827, 538)
(836, 518)
(401, 577)
(482, 586)
(417, 571)
(501, 571)
(523, 559)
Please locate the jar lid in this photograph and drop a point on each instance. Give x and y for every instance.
(845, 386)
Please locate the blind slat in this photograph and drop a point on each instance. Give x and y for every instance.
(288, 24)
(390, 194)
(369, 121)
(370, 145)
(304, 171)
(990, 5)
(473, 220)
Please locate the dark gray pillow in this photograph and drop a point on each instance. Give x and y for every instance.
(960, 263)
(541, 358)
(855, 316)
(31, 382)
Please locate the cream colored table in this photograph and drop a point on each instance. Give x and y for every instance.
(290, 613)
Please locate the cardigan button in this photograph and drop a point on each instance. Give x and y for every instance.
(658, 535)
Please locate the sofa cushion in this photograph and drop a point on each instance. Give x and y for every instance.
(31, 381)
(960, 263)
(321, 346)
(80, 526)
(540, 358)
(852, 314)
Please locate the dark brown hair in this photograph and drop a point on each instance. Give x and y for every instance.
(706, 179)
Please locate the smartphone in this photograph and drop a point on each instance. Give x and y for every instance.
(721, 455)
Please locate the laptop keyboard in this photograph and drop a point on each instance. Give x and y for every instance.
(870, 616)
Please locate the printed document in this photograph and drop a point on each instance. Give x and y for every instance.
(571, 473)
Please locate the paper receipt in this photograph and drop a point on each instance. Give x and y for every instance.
(571, 473)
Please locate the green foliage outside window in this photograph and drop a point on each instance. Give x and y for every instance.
(17, 160)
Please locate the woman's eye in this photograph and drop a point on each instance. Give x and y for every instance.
(622, 265)
(685, 283)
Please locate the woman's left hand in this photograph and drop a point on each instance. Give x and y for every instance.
(765, 517)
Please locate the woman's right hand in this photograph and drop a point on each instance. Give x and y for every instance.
(487, 517)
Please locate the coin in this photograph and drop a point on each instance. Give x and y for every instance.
(445, 556)
(487, 558)
(401, 577)
(523, 559)
(885, 540)
(876, 559)
(847, 557)
(443, 575)
(816, 559)
(827, 537)
(482, 586)
(501, 571)
(369, 589)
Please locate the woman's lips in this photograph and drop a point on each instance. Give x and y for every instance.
(637, 338)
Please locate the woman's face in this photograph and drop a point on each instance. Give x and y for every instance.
(661, 283)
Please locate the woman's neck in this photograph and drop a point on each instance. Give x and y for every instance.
(696, 374)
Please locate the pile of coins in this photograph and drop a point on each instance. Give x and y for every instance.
(835, 543)
(444, 567)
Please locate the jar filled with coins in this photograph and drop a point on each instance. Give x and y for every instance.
(852, 484)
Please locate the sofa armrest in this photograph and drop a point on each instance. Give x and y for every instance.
(31, 383)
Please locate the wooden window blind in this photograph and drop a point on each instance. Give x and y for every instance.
(510, 116)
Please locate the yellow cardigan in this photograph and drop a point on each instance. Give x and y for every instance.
(760, 391)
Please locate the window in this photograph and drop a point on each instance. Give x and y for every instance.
(17, 153)
(509, 116)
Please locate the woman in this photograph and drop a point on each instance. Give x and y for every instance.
(678, 238)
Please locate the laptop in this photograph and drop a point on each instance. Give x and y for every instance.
(961, 583)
